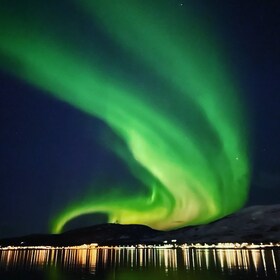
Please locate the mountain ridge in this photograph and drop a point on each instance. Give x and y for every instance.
(255, 224)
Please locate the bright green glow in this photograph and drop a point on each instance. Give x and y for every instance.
(193, 148)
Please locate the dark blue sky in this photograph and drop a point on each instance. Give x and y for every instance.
(49, 150)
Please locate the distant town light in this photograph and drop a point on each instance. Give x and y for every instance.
(229, 245)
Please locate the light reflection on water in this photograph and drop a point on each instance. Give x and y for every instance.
(124, 263)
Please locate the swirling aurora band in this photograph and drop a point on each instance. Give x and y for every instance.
(186, 130)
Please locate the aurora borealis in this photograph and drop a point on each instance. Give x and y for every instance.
(166, 91)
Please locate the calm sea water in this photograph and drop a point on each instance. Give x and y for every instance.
(136, 264)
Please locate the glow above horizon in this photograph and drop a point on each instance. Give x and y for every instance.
(185, 132)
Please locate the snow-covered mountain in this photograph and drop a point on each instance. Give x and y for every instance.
(253, 224)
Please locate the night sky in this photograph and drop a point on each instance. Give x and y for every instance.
(96, 126)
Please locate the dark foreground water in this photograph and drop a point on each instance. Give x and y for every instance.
(136, 264)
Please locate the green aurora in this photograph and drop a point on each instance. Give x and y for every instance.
(184, 128)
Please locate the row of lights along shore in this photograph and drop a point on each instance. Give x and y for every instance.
(166, 245)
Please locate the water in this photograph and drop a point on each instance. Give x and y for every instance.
(136, 264)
